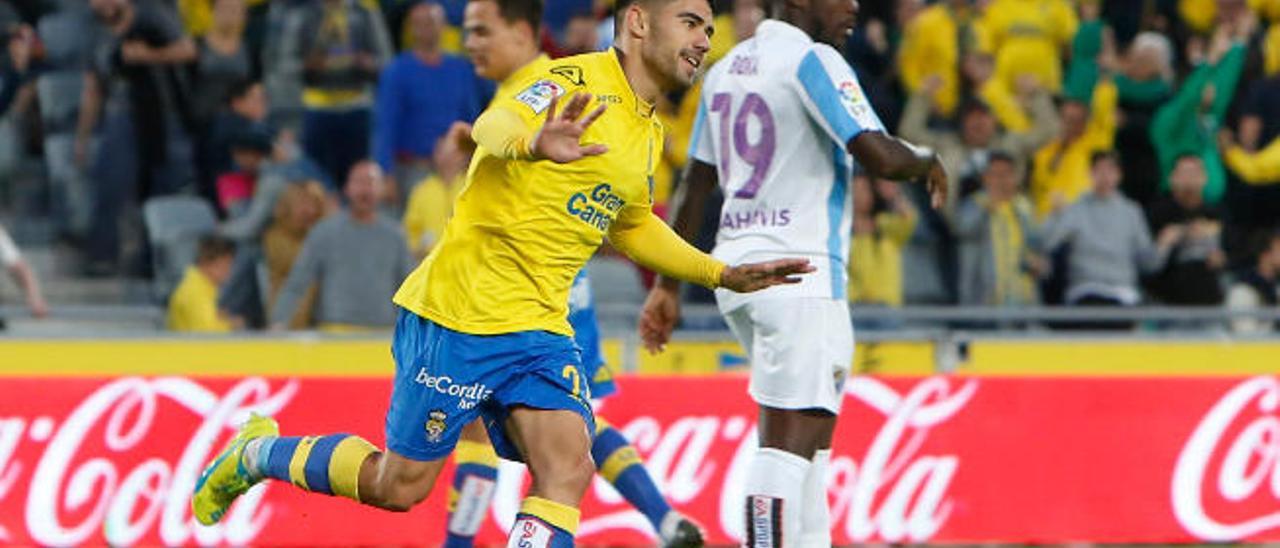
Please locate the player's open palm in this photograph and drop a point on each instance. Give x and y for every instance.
(560, 139)
(756, 276)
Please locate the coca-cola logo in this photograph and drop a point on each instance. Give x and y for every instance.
(77, 488)
(892, 492)
(1247, 464)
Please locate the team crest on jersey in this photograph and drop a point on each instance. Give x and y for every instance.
(538, 96)
(839, 375)
(436, 425)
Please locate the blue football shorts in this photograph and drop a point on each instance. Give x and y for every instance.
(446, 379)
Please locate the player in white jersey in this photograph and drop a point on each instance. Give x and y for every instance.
(781, 121)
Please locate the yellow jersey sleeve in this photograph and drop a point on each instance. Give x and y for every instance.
(507, 128)
(649, 241)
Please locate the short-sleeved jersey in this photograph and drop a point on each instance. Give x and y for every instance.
(775, 118)
(522, 230)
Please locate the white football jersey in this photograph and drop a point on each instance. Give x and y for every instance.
(775, 117)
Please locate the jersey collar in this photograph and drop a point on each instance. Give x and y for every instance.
(773, 28)
(643, 108)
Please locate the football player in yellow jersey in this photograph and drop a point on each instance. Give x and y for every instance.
(502, 42)
(483, 329)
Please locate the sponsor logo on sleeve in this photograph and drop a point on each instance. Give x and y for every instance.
(539, 95)
(855, 101)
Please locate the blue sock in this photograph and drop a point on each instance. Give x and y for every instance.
(620, 464)
(320, 464)
(474, 483)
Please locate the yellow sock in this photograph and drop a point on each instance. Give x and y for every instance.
(543, 523)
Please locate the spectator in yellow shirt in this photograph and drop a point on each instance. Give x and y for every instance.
(1060, 169)
(193, 307)
(1028, 37)
(1255, 168)
(883, 221)
(431, 202)
(197, 15)
(931, 47)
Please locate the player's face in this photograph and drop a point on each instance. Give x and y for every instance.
(497, 48)
(678, 41)
(833, 20)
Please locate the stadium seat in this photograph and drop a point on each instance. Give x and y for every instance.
(58, 92)
(175, 225)
(262, 275)
(615, 281)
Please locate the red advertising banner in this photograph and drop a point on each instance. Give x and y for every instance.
(945, 459)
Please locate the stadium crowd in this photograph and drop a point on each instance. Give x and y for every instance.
(306, 153)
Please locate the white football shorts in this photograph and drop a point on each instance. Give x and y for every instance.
(801, 350)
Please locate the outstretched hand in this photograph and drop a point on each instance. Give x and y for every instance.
(560, 139)
(752, 277)
(661, 310)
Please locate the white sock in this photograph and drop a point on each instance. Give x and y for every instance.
(473, 505)
(815, 517)
(254, 453)
(775, 489)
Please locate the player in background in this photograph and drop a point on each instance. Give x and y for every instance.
(483, 329)
(502, 42)
(779, 117)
